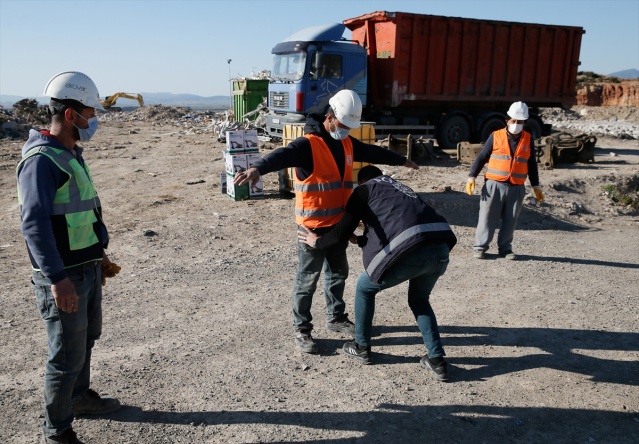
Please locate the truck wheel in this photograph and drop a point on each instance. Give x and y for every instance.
(533, 126)
(453, 129)
(489, 126)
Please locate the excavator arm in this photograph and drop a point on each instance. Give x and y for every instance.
(109, 101)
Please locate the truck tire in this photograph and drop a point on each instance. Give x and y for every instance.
(533, 126)
(452, 130)
(489, 126)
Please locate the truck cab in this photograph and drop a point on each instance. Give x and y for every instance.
(308, 68)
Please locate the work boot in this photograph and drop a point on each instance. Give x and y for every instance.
(90, 403)
(305, 342)
(439, 371)
(358, 352)
(68, 436)
(479, 254)
(342, 325)
(509, 255)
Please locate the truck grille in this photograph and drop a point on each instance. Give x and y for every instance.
(278, 99)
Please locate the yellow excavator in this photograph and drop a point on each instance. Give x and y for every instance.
(109, 101)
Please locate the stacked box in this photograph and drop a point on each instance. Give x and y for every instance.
(235, 163)
(241, 153)
(235, 141)
(250, 141)
(223, 181)
(256, 190)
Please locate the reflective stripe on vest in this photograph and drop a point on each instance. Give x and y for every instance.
(400, 239)
(502, 166)
(76, 200)
(321, 197)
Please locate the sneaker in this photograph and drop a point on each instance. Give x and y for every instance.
(479, 254)
(305, 342)
(90, 403)
(439, 371)
(358, 353)
(509, 255)
(68, 436)
(342, 325)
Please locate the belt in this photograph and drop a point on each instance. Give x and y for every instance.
(85, 266)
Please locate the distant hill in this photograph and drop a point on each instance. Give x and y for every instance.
(626, 74)
(162, 98)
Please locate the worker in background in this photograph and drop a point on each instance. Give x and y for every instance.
(323, 182)
(510, 154)
(66, 238)
(413, 247)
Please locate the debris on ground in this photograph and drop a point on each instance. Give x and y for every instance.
(612, 121)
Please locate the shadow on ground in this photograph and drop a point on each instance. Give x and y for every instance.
(462, 210)
(396, 423)
(559, 349)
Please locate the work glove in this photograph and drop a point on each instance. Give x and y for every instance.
(109, 270)
(538, 194)
(470, 186)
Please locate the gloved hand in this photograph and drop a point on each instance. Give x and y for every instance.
(538, 194)
(470, 186)
(109, 270)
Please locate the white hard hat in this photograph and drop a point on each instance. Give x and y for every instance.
(518, 111)
(347, 107)
(73, 85)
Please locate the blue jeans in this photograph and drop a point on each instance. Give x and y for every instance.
(71, 337)
(421, 267)
(310, 262)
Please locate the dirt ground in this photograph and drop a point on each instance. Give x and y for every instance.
(198, 343)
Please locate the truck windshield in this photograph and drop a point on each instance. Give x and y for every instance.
(289, 66)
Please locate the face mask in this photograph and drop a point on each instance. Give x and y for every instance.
(515, 128)
(86, 133)
(339, 133)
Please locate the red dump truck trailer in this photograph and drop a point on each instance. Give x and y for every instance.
(455, 76)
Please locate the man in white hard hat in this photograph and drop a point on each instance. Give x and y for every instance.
(510, 154)
(323, 160)
(66, 238)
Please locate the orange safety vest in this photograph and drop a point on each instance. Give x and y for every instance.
(502, 166)
(321, 197)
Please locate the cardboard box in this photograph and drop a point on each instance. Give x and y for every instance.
(223, 181)
(235, 141)
(235, 162)
(256, 190)
(250, 140)
(235, 192)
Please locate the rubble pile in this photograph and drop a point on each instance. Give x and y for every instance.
(621, 122)
(609, 121)
(25, 114)
(188, 120)
(28, 111)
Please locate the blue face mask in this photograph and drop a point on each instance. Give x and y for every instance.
(88, 132)
(339, 133)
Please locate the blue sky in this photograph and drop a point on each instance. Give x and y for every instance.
(183, 46)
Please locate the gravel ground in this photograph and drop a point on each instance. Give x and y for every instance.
(198, 343)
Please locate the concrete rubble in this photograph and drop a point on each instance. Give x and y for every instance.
(610, 121)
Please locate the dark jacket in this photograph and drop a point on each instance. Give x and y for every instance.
(396, 220)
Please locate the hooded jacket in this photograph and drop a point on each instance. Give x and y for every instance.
(47, 233)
